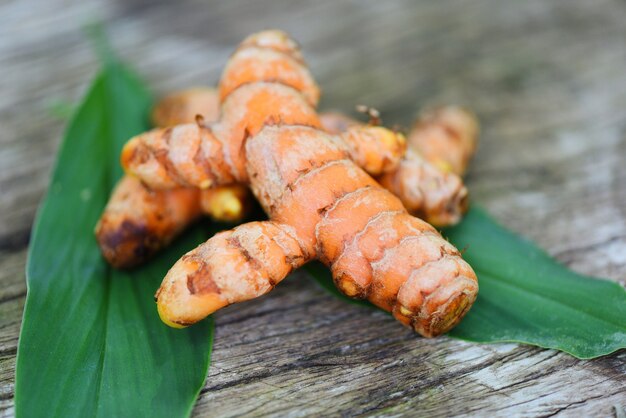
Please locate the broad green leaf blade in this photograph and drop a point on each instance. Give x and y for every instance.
(91, 342)
(525, 296)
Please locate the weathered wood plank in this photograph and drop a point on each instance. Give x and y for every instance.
(546, 79)
(12, 293)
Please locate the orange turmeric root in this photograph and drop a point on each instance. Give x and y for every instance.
(437, 196)
(426, 190)
(138, 222)
(226, 203)
(126, 233)
(446, 137)
(441, 144)
(320, 203)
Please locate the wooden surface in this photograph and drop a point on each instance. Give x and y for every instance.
(548, 81)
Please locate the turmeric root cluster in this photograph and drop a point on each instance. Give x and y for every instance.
(315, 177)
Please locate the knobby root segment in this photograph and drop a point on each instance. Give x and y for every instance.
(138, 222)
(446, 136)
(427, 189)
(321, 204)
(232, 266)
(426, 178)
(432, 194)
(229, 203)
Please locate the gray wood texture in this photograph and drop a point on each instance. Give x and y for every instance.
(548, 81)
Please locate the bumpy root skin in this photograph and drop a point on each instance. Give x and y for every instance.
(427, 190)
(233, 266)
(221, 203)
(138, 222)
(429, 307)
(321, 205)
(397, 262)
(446, 137)
(437, 196)
(187, 155)
(374, 148)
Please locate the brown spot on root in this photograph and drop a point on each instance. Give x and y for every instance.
(462, 200)
(200, 281)
(274, 120)
(205, 163)
(162, 156)
(129, 244)
(127, 229)
(244, 141)
(294, 261)
(236, 243)
(323, 210)
(183, 323)
(139, 155)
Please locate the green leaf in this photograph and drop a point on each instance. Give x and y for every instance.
(527, 297)
(91, 342)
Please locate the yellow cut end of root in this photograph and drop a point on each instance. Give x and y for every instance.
(206, 184)
(404, 311)
(165, 320)
(349, 288)
(388, 137)
(226, 206)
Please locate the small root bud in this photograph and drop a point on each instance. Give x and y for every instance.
(373, 114)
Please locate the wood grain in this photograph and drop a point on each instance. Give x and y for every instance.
(547, 80)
